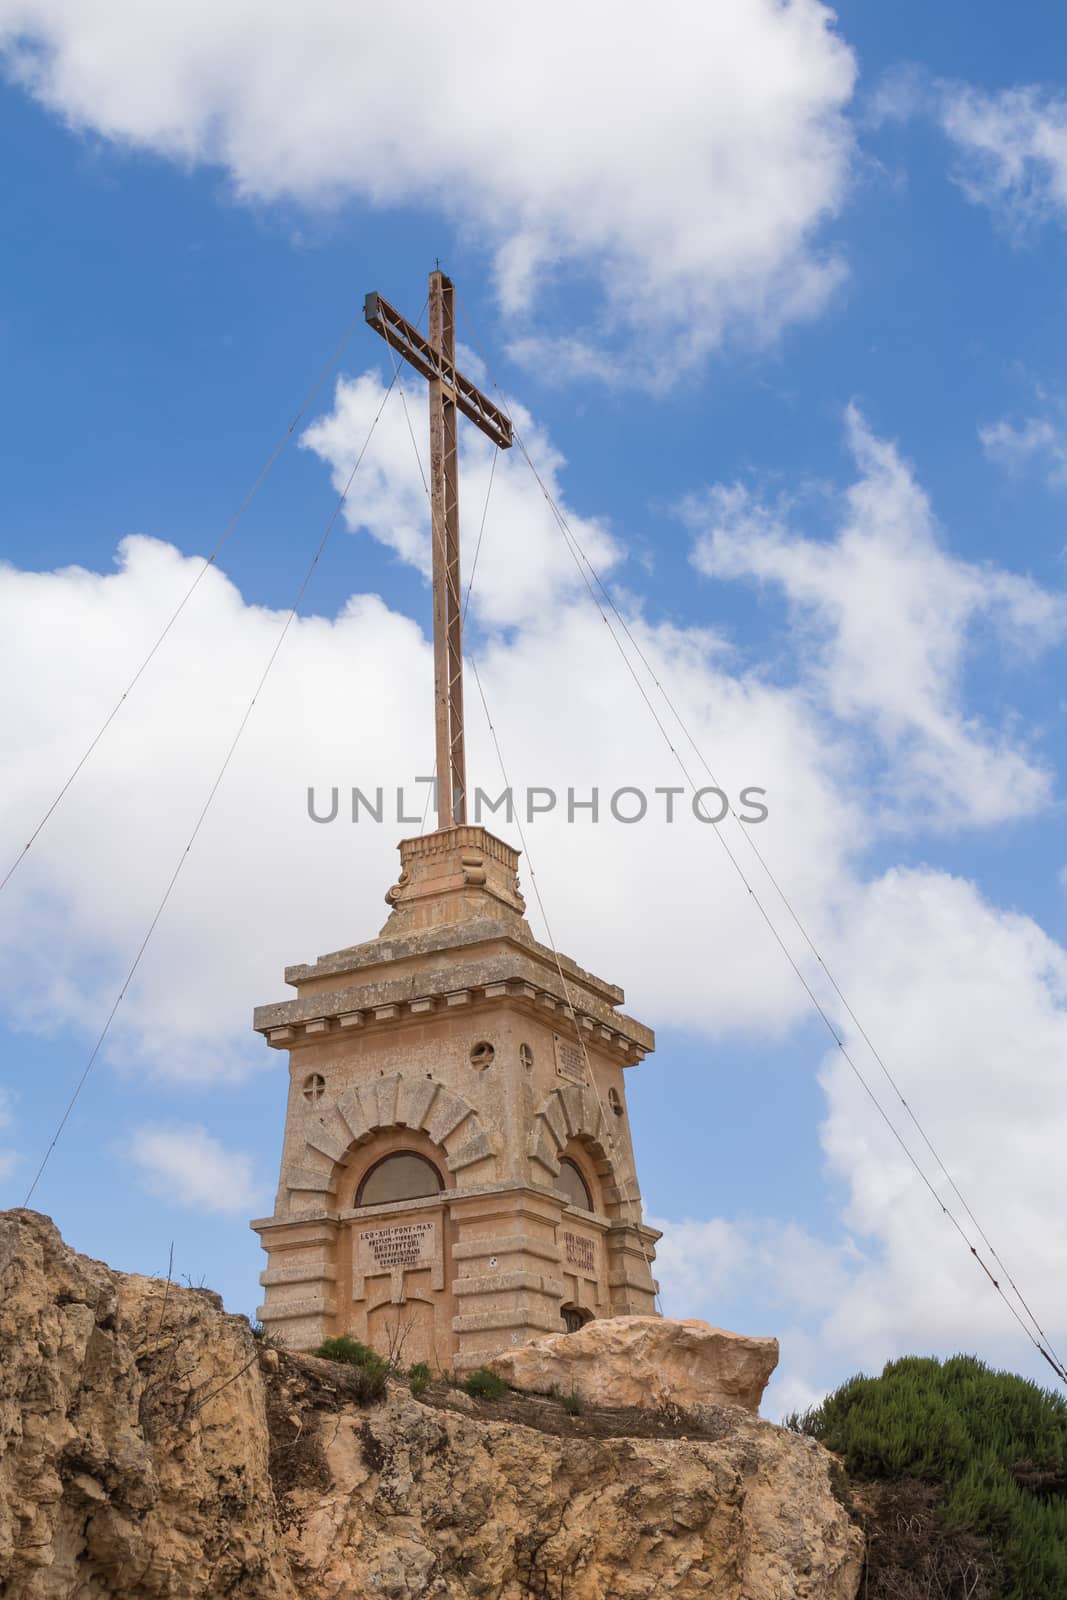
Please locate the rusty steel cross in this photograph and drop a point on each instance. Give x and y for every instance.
(450, 391)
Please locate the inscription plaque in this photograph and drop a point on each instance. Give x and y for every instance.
(580, 1252)
(405, 1244)
(570, 1063)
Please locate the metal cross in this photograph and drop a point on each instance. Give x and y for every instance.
(450, 391)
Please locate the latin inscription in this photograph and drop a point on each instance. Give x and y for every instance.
(579, 1252)
(570, 1062)
(406, 1244)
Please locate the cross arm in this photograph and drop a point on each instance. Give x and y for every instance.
(403, 336)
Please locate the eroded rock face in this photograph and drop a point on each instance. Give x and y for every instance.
(149, 1448)
(126, 1468)
(645, 1361)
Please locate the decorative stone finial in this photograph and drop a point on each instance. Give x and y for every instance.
(451, 876)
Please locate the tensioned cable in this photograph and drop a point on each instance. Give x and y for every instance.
(1049, 1353)
(243, 723)
(747, 835)
(257, 484)
(575, 548)
(469, 653)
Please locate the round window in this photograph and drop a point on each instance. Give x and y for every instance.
(482, 1054)
(314, 1086)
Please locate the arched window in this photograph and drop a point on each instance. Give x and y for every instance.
(573, 1185)
(404, 1176)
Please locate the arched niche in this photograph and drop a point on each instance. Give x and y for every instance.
(571, 1125)
(438, 1121)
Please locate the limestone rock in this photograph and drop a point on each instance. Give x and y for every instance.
(644, 1361)
(148, 1451)
(126, 1468)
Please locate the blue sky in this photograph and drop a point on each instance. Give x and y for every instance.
(825, 469)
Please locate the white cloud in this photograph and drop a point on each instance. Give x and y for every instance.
(391, 503)
(1011, 149)
(887, 616)
(1009, 146)
(967, 1001)
(687, 168)
(1038, 442)
(350, 702)
(968, 1005)
(702, 1262)
(187, 1167)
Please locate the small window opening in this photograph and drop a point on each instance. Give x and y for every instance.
(482, 1054)
(615, 1101)
(526, 1056)
(314, 1086)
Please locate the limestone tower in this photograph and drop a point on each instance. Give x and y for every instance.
(457, 1172)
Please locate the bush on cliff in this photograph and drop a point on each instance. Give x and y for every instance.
(994, 1443)
(372, 1370)
(482, 1384)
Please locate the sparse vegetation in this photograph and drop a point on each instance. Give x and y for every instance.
(419, 1378)
(372, 1368)
(264, 1337)
(573, 1404)
(482, 1384)
(994, 1444)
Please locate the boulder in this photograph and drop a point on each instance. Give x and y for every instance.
(644, 1361)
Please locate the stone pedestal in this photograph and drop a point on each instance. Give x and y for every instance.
(457, 1038)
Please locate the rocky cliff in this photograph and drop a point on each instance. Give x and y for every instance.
(150, 1448)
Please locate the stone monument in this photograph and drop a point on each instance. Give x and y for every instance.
(457, 1172)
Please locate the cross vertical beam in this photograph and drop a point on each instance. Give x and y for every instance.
(448, 615)
(450, 391)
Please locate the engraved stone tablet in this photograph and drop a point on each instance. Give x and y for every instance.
(579, 1252)
(570, 1063)
(404, 1244)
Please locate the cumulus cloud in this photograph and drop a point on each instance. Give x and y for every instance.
(187, 1167)
(888, 615)
(686, 169)
(349, 702)
(966, 999)
(391, 503)
(969, 1006)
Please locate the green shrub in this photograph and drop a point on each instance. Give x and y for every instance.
(573, 1404)
(371, 1368)
(994, 1442)
(419, 1378)
(484, 1385)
